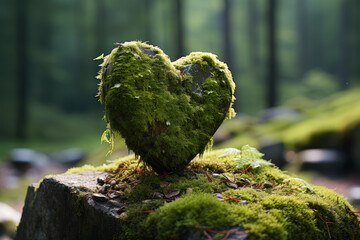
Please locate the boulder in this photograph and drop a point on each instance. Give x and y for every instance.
(326, 161)
(9, 219)
(61, 208)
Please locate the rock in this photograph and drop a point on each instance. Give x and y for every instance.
(273, 151)
(100, 181)
(186, 102)
(23, 158)
(9, 219)
(325, 161)
(354, 195)
(69, 157)
(54, 211)
(172, 193)
(267, 185)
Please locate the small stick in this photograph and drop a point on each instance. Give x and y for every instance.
(147, 211)
(260, 184)
(165, 174)
(225, 181)
(207, 235)
(123, 168)
(182, 74)
(210, 180)
(244, 172)
(230, 198)
(79, 188)
(326, 223)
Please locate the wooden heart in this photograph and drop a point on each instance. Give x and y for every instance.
(166, 111)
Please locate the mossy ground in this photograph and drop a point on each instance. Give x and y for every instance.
(324, 124)
(287, 208)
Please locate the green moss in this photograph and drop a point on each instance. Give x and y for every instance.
(167, 112)
(291, 210)
(325, 124)
(194, 209)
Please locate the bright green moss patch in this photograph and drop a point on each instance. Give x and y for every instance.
(166, 112)
(200, 209)
(325, 124)
(218, 192)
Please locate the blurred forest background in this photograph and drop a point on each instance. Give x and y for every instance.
(299, 56)
(279, 51)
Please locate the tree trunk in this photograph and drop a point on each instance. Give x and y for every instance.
(272, 64)
(148, 20)
(227, 35)
(343, 41)
(301, 22)
(180, 51)
(22, 68)
(252, 27)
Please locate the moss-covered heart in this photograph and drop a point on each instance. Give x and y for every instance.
(167, 112)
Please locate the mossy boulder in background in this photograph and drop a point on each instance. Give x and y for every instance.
(167, 112)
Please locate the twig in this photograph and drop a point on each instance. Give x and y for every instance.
(326, 223)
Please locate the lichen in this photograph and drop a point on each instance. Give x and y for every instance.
(288, 208)
(166, 112)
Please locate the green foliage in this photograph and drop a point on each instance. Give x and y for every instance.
(247, 155)
(167, 112)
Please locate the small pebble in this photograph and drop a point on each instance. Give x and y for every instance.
(104, 189)
(189, 190)
(172, 193)
(113, 183)
(267, 185)
(231, 185)
(244, 202)
(157, 195)
(121, 186)
(121, 210)
(245, 181)
(147, 201)
(101, 181)
(219, 196)
(114, 195)
(100, 197)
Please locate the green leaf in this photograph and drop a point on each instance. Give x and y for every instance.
(106, 136)
(99, 57)
(247, 155)
(229, 151)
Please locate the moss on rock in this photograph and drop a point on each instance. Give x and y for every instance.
(266, 203)
(167, 112)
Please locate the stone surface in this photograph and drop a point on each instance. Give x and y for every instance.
(273, 151)
(56, 211)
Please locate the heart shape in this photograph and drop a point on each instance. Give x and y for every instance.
(167, 112)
